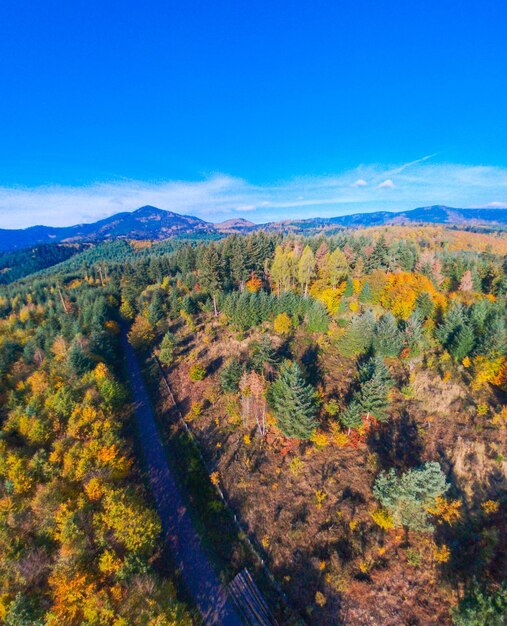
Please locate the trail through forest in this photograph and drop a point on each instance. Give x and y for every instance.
(180, 535)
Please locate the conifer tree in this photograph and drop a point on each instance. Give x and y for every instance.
(462, 343)
(409, 496)
(231, 375)
(352, 417)
(293, 403)
(166, 354)
(210, 273)
(387, 339)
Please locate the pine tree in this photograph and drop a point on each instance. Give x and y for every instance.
(413, 333)
(424, 304)
(231, 375)
(352, 417)
(293, 403)
(454, 319)
(210, 273)
(366, 296)
(166, 354)
(263, 356)
(317, 319)
(408, 497)
(387, 339)
(462, 343)
(358, 335)
(375, 383)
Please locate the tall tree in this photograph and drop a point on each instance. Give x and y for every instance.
(293, 402)
(306, 269)
(210, 273)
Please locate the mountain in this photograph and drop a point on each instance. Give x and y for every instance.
(152, 223)
(235, 225)
(148, 222)
(437, 214)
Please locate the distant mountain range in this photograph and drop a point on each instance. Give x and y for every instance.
(152, 223)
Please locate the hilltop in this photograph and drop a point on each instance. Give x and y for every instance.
(152, 223)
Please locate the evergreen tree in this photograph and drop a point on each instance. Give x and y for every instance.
(317, 319)
(366, 296)
(481, 608)
(231, 375)
(166, 354)
(463, 343)
(79, 361)
(379, 258)
(408, 497)
(210, 273)
(414, 333)
(358, 335)
(387, 339)
(452, 323)
(375, 382)
(352, 417)
(263, 356)
(424, 304)
(293, 403)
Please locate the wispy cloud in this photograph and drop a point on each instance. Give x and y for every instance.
(218, 197)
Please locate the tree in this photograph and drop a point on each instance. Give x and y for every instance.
(306, 269)
(21, 612)
(317, 319)
(231, 375)
(210, 273)
(352, 417)
(197, 372)
(293, 402)
(141, 334)
(337, 266)
(263, 356)
(282, 324)
(387, 339)
(462, 343)
(409, 496)
(481, 608)
(358, 335)
(280, 269)
(166, 354)
(467, 282)
(79, 360)
(375, 383)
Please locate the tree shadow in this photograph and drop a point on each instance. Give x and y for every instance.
(214, 365)
(310, 362)
(397, 443)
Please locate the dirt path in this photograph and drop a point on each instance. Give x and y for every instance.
(201, 580)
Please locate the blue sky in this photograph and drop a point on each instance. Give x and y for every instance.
(260, 109)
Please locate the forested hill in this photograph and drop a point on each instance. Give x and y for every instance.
(349, 393)
(151, 223)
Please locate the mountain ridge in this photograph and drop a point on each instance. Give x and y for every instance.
(149, 222)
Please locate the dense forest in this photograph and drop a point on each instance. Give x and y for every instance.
(348, 393)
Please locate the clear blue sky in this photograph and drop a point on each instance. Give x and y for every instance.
(264, 91)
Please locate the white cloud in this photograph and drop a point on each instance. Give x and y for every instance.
(220, 197)
(360, 182)
(497, 205)
(386, 184)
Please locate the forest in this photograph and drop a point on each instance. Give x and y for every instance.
(347, 394)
